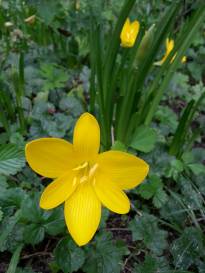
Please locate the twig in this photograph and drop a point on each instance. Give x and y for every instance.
(37, 254)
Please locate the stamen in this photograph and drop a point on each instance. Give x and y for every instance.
(82, 166)
(93, 170)
(83, 179)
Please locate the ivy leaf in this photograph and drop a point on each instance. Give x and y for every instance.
(11, 159)
(68, 256)
(144, 139)
(188, 249)
(105, 255)
(145, 228)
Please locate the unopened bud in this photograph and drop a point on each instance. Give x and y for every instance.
(145, 44)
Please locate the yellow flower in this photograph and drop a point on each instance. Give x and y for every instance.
(129, 33)
(169, 48)
(84, 179)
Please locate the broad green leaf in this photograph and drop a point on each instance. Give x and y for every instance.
(105, 255)
(68, 256)
(119, 146)
(152, 264)
(34, 234)
(12, 198)
(153, 188)
(11, 159)
(144, 139)
(145, 229)
(32, 212)
(197, 168)
(55, 224)
(174, 212)
(160, 198)
(71, 105)
(149, 188)
(188, 249)
(6, 228)
(3, 183)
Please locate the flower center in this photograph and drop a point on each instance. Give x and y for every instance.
(85, 171)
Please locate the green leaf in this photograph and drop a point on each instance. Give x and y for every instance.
(188, 249)
(3, 182)
(144, 139)
(105, 255)
(55, 224)
(197, 168)
(160, 198)
(118, 146)
(149, 188)
(11, 159)
(145, 229)
(32, 212)
(68, 256)
(153, 188)
(6, 228)
(34, 234)
(12, 197)
(71, 105)
(14, 260)
(152, 265)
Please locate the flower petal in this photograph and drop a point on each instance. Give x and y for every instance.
(135, 27)
(86, 140)
(125, 31)
(82, 214)
(125, 169)
(50, 157)
(58, 191)
(110, 194)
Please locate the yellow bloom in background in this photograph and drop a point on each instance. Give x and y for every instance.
(169, 48)
(83, 178)
(129, 33)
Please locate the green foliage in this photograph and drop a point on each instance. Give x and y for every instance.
(145, 228)
(11, 159)
(68, 256)
(188, 248)
(53, 76)
(153, 188)
(104, 256)
(144, 139)
(14, 260)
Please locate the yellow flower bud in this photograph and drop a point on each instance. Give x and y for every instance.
(129, 33)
